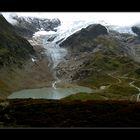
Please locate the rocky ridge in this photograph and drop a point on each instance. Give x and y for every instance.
(27, 26)
(96, 49)
(83, 40)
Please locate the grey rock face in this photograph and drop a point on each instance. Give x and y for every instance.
(136, 30)
(28, 26)
(82, 40)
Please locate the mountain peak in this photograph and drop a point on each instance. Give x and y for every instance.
(27, 26)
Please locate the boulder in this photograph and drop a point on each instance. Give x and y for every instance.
(136, 30)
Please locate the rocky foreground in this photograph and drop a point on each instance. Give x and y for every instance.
(52, 113)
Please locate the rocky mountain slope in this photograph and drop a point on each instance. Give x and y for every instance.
(17, 70)
(103, 60)
(27, 26)
(82, 41)
(13, 48)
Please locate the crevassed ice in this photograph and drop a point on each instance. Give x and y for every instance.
(55, 52)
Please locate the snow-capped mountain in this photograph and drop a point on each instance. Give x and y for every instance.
(27, 26)
(37, 23)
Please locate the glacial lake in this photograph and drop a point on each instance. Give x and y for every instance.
(48, 93)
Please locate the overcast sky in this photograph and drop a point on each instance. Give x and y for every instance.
(114, 18)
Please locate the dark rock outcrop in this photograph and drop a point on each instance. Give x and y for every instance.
(27, 26)
(94, 30)
(82, 40)
(136, 30)
(13, 48)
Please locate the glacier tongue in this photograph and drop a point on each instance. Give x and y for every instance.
(55, 53)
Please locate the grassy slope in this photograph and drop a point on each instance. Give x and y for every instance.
(110, 65)
(31, 75)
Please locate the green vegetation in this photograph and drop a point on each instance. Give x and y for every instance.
(111, 92)
(137, 83)
(84, 97)
(110, 66)
(107, 41)
(137, 71)
(97, 80)
(120, 92)
(4, 89)
(115, 87)
(111, 63)
(3, 51)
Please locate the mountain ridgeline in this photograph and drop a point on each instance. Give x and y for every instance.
(27, 26)
(13, 48)
(82, 41)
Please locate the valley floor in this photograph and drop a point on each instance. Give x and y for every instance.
(28, 113)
